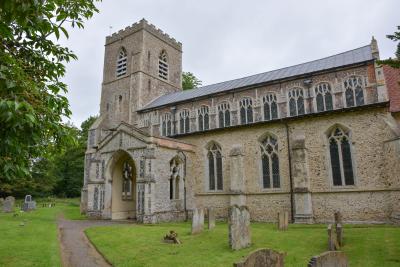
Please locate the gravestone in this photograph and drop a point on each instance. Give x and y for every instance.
(338, 218)
(197, 221)
(211, 218)
(329, 259)
(332, 242)
(239, 227)
(8, 204)
(283, 220)
(29, 204)
(339, 234)
(262, 258)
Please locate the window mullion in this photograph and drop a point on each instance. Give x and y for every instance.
(339, 142)
(215, 171)
(271, 177)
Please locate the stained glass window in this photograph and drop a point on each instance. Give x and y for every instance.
(270, 162)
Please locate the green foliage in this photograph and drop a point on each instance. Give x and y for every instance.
(189, 81)
(32, 101)
(394, 63)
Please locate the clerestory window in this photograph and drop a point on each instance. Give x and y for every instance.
(354, 92)
(296, 102)
(323, 97)
(270, 107)
(224, 115)
(166, 124)
(184, 122)
(203, 118)
(246, 110)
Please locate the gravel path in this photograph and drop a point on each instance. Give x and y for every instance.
(76, 249)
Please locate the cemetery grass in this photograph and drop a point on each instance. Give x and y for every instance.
(35, 243)
(141, 245)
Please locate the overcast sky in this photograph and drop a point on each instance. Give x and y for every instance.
(228, 39)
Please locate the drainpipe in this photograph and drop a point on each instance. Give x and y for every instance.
(292, 204)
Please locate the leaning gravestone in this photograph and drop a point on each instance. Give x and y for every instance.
(239, 227)
(263, 258)
(8, 205)
(283, 220)
(329, 259)
(29, 204)
(339, 234)
(211, 218)
(197, 221)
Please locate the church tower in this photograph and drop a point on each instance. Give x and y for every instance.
(141, 63)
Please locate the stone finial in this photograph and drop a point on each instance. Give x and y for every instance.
(374, 48)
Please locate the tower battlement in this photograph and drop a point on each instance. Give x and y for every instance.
(144, 25)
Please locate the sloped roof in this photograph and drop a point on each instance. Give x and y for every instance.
(351, 57)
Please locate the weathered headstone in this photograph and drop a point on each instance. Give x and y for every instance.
(239, 227)
(329, 259)
(339, 234)
(338, 217)
(263, 258)
(332, 242)
(8, 204)
(211, 218)
(197, 221)
(29, 204)
(283, 220)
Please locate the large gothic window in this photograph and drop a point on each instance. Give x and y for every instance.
(224, 115)
(184, 123)
(246, 110)
(121, 62)
(270, 107)
(270, 163)
(166, 124)
(296, 102)
(341, 158)
(126, 181)
(354, 91)
(323, 97)
(214, 158)
(163, 65)
(203, 118)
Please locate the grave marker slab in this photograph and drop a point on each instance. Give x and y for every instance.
(263, 258)
(8, 204)
(197, 221)
(29, 204)
(239, 227)
(283, 220)
(211, 218)
(329, 259)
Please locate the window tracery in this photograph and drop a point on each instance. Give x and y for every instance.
(214, 157)
(323, 97)
(184, 122)
(270, 107)
(246, 110)
(296, 102)
(203, 118)
(270, 162)
(354, 92)
(224, 115)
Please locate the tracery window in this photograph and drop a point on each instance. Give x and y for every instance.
(214, 157)
(246, 110)
(296, 102)
(224, 115)
(354, 91)
(163, 65)
(270, 163)
(166, 124)
(126, 181)
(323, 97)
(340, 156)
(121, 62)
(270, 107)
(184, 123)
(203, 118)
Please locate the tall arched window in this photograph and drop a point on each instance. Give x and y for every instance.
(323, 97)
(296, 102)
(184, 123)
(224, 115)
(163, 65)
(270, 107)
(340, 155)
(121, 62)
(270, 162)
(126, 181)
(246, 110)
(166, 124)
(203, 118)
(354, 91)
(214, 158)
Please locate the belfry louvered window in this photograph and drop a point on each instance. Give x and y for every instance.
(270, 163)
(163, 65)
(203, 118)
(354, 91)
(340, 156)
(270, 107)
(121, 63)
(214, 158)
(323, 97)
(246, 110)
(184, 123)
(296, 102)
(224, 115)
(166, 124)
(126, 181)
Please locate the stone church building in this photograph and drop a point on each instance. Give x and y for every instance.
(310, 139)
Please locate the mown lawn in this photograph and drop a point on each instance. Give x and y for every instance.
(35, 243)
(140, 245)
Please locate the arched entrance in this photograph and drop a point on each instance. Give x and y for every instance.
(123, 173)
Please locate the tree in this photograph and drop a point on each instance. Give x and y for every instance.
(394, 63)
(32, 101)
(189, 81)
